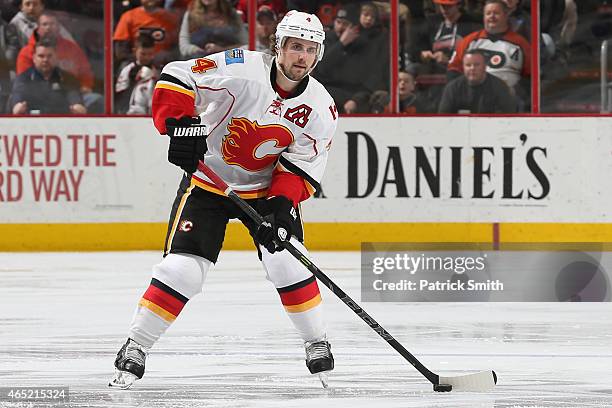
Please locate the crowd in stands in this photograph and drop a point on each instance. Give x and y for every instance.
(43, 67)
(456, 56)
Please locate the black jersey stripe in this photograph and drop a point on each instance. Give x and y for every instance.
(296, 170)
(170, 78)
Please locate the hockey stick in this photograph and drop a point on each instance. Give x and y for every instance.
(481, 381)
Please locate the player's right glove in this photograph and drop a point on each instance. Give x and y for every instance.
(269, 234)
(187, 142)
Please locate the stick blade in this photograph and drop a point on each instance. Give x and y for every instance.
(477, 382)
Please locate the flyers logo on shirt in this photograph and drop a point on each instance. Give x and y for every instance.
(495, 59)
(253, 146)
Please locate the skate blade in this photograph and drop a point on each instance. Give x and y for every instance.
(324, 378)
(122, 380)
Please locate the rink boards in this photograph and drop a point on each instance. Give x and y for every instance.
(104, 183)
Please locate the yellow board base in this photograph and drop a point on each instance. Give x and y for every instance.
(319, 236)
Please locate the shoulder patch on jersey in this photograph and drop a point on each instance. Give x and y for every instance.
(202, 65)
(235, 56)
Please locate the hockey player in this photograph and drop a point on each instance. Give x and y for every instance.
(269, 127)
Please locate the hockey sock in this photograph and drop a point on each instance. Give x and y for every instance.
(178, 278)
(302, 301)
(157, 309)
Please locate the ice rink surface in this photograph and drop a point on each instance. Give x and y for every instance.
(64, 316)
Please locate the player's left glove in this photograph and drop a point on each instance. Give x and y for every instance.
(187, 142)
(270, 233)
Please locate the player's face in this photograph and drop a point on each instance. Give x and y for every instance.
(495, 19)
(297, 57)
(474, 68)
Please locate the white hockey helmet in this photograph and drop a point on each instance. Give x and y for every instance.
(297, 24)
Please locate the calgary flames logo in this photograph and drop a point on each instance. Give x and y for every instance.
(253, 146)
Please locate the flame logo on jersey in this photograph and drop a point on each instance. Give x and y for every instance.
(253, 146)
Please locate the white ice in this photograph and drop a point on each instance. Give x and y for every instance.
(63, 316)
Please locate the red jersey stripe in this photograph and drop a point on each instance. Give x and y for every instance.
(169, 103)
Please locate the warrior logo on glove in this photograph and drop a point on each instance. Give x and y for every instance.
(195, 131)
(187, 142)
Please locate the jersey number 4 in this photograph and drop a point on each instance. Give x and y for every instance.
(202, 65)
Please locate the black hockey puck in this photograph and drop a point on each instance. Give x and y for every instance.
(443, 387)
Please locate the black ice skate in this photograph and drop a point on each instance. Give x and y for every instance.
(319, 359)
(129, 365)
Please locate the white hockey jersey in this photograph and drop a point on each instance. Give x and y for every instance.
(508, 55)
(252, 129)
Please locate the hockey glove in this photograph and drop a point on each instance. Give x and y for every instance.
(187, 142)
(269, 234)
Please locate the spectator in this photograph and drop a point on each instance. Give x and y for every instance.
(148, 19)
(142, 94)
(445, 30)
(410, 102)
(134, 78)
(558, 23)
(474, 8)
(341, 23)
(265, 26)
(9, 45)
(559, 19)
(508, 53)
(476, 91)
(520, 21)
(210, 26)
(435, 43)
(45, 88)
(70, 56)
(9, 48)
(277, 6)
(357, 64)
(9, 8)
(26, 21)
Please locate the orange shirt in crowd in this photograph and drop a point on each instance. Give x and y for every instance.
(70, 57)
(161, 24)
